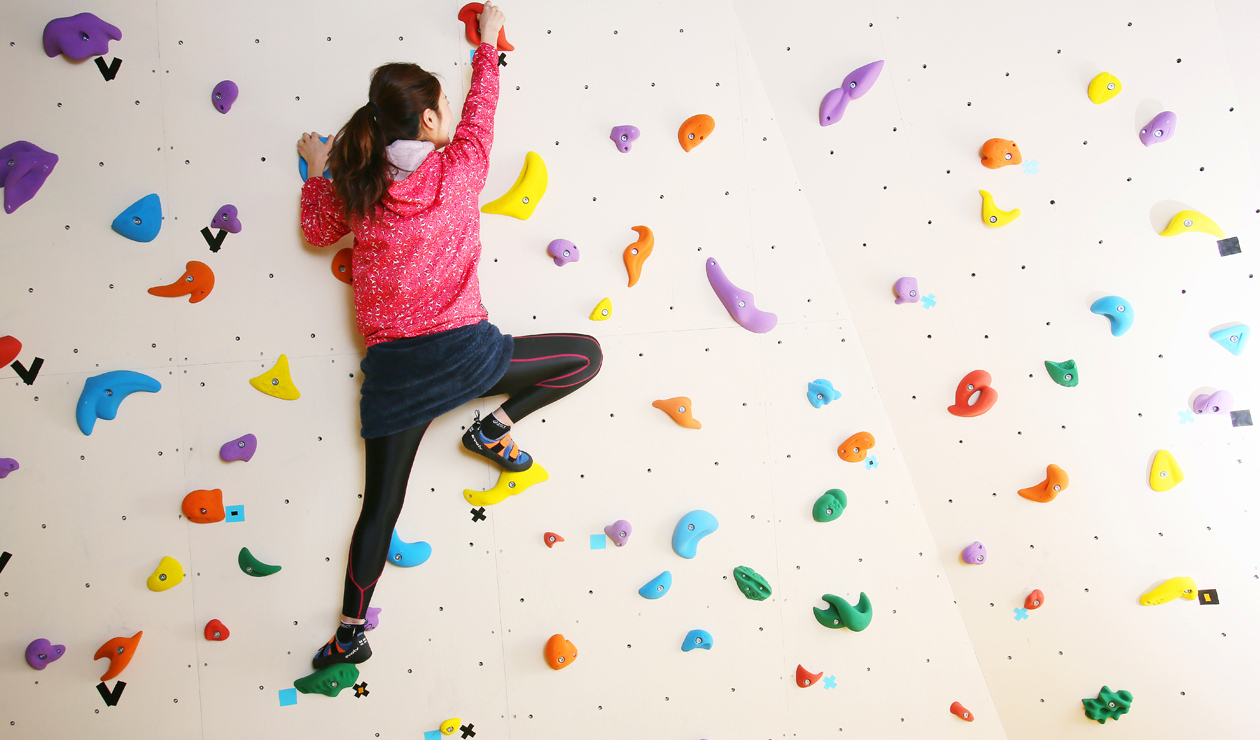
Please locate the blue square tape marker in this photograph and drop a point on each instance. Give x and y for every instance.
(599, 541)
(432, 735)
(288, 697)
(234, 513)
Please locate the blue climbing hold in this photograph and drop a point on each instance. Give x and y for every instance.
(697, 639)
(1117, 310)
(691, 529)
(103, 393)
(658, 586)
(1232, 338)
(302, 168)
(822, 393)
(142, 220)
(407, 554)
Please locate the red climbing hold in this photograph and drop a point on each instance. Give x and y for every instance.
(976, 380)
(551, 538)
(216, 631)
(961, 712)
(341, 265)
(1035, 599)
(9, 349)
(804, 678)
(468, 15)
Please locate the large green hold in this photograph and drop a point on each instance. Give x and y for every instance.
(830, 505)
(843, 614)
(751, 583)
(1064, 373)
(252, 566)
(328, 681)
(1109, 704)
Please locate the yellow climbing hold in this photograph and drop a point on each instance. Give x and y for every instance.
(1104, 87)
(1192, 221)
(994, 216)
(509, 484)
(168, 574)
(450, 726)
(519, 201)
(277, 381)
(1165, 472)
(1169, 590)
(603, 311)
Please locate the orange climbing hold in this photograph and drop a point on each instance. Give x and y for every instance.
(804, 678)
(551, 538)
(559, 652)
(1035, 599)
(468, 15)
(196, 283)
(854, 448)
(636, 254)
(341, 265)
(973, 382)
(961, 712)
(694, 130)
(1044, 492)
(120, 651)
(679, 409)
(204, 506)
(998, 153)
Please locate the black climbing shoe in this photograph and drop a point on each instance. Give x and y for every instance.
(503, 451)
(356, 650)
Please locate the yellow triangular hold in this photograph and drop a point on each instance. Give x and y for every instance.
(450, 726)
(1165, 472)
(277, 382)
(992, 215)
(168, 574)
(519, 201)
(509, 484)
(1191, 221)
(603, 311)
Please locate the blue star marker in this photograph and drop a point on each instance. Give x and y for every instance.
(1021, 613)
(1187, 416)
(829, 682)
(1030, 167)
(871, 463)
(929, 300)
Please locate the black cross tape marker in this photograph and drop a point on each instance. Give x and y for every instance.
(214, 241)
(479, 514)
(111, 697)
(28, 376)
(4, 560)
(108, 72)
(502, 59)
(468, 730)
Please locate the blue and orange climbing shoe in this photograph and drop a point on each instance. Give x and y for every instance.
(352, 649)
(503, 450)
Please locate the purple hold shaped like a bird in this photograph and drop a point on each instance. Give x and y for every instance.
(223, 95)
(907, 290)
(1161, 128)
(563, 252)
(1220, 402)
(854, 86)
(23, 169)
(226, 219)
(619, 532)
(79, 36)
(624, 137)
(739, 303)
(7, 465)
(974, 554)
(41, 652)
(241, 448)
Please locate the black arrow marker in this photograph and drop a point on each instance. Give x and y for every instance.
(108, 72)
(4, 560)
(214, 241)
(28, 376)
(111, 697)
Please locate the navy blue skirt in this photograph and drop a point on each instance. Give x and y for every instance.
(407, 382)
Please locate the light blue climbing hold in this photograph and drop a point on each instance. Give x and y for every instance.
(822, 393)
(407, 554)
(302, 168)
(691, 529)
(658, 586)
(1233, 338)
(102, 394)
(1117, 310)
(142, 220)
(697, 639)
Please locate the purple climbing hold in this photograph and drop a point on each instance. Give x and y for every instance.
(974, 554)
(23, 169)
(624, 137)
(41, 652)
(739, 303)
(373, 619)
(1220, 402)
(79, 36)
(224, 95)
(1161, 128)
(241, 448)
(7, 465)
(854, 86)
(907, 290)
(563, 252)
(226, 219)
(619, 532)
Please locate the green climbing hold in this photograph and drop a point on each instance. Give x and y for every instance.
(1109, 704)
(252, 566)
(328, 681)
(751, 583)
(830, 505)
(843, 614)
(1064, 373)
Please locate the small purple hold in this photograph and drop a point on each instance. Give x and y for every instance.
(241, 448)
(226, 219)
(1161, 128)
(624, 137)
(79, 36)
(563, 252)
(41, 652)
(974, 554)
(738, 303)
(373, 619)
(1220, 402)
(224, 95)
(23, 169)
(907, 290)
(619, 532)
(7, 465)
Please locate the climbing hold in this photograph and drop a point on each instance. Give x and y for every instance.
(551, 538)
(252, 566)
(842, 614)
(167, 575)
(41, 652)
(103, 393)
(196, 283)
(906, 290)
(79, 36)
(624, 137)
(1103, 87)
(203, 506)
(120, 651)
(1117, 310)
(679, 409)
(961, 712)
(302, 163)
(1185, 221)
(693, 527)
(343, 265)
(1170, 590)
(562, 252)
(449, 726)
(636, 254)
(697, 639)
(657, 587)
(1044, 492)
(222, 98)
(619, 532)
(830, 505)
(469, 16)
(856, 85)
(509, 484)
(997, 153)
(602, 311)
(141, 221)
(328, 681)
(1109, 705)
(277, 382)
(407, 554)
(974, 554)
(241, 448)
(521, 199)
(27, 168)
(976, 381)
(372, 619)
(1220, 402)
(559, 652)
(1161, 128)
(694, 130)
(1035, 599)
(1165, 472)
(752, 583)
(992, 215)
(7, 465)
(227, 219)
(821, 392)
(738, 303)
(854, 448)
(1064, 373)
(804, 678)
(216, 631)
(1233, 338)
(10, 348)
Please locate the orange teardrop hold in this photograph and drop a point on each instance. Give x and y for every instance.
(854, 448)
(196, 283)
(961, 712)
(559, 652)
(551, 538)
(204, 507)
(341, 265)
(118, 658)
(804, 678)
(679, 409)
(1035, 599)
(636, 254)
(1044, 492)
(694, 130)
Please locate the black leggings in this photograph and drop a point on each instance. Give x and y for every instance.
(544, 369)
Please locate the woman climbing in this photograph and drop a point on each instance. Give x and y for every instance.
(408, 191)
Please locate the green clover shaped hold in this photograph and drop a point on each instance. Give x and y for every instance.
(830, 505)
(751, 583)
(328, 681)
(843, 614)
(1109, 704)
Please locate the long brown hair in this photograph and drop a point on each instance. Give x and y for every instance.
(398, 96)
